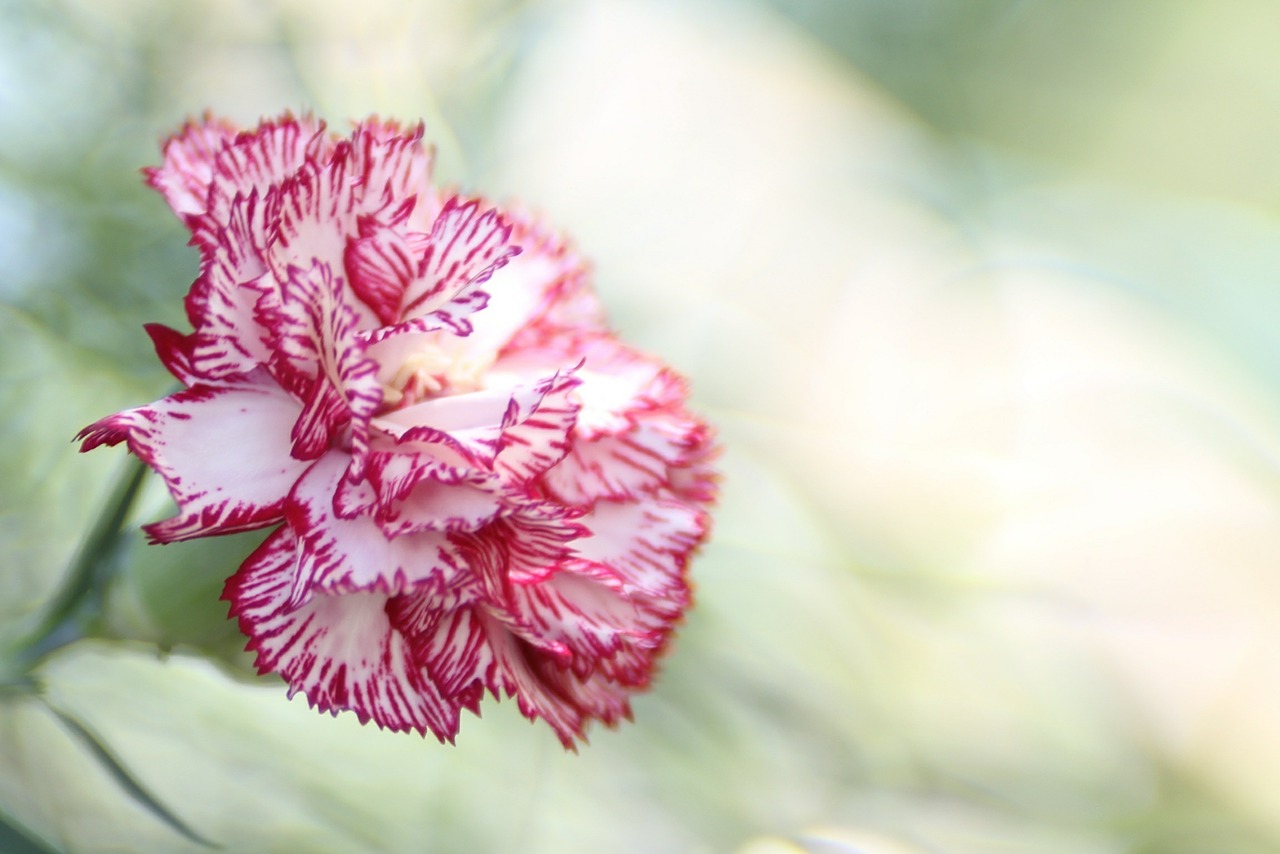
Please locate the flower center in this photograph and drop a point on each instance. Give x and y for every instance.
(433, 372)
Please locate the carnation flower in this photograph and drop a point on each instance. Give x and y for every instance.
(475, 487)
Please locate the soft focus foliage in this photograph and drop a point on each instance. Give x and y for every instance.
(983, 295)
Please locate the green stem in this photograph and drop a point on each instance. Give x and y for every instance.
(64, 617)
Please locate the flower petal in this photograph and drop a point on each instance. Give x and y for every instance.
(527, 543)
(578, 612)
(183, 178)
(223, 452)
(642, 547)
(317, 351)
(234, 291)
(535, 436)
(312, 213)
(262, 158)
(545, 690)
(631, 431)
(392, 169)
(542, 291)
(437, 505)
(594, 697)
(471, 422)
(397, 464)
(175, 351)
(579, 620)
(618, 382)
(466, 246)
(516, 430)
(451, 643)
(337, 555)
(381, 263)
(421, 486)
(340, 651)
(630, 465)
(695, 481)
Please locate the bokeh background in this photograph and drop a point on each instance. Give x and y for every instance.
(982, 295)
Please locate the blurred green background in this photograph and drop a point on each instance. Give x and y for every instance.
(981, 294)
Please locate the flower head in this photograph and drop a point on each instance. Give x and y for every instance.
(475, 487)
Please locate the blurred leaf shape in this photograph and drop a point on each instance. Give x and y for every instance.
(100, 751)
(49, 389)
(16, 839)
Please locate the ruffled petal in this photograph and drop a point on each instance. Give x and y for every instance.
(696, 480)
(381, 263)
(233, 293)
(543, 286)
(175, 351)
(469, 423)
(594, 697)
(439, 505)
(452, 643)
(642, 547)
(317, 352)
(527, 543)
(631, 431)
(535, 436)
(517, 431)
(578, 612)
(312, 214)
(223, 452)
(619, 383)
(421, 487)
(541, 292)
(391, 168)
(184, 176)
(341, 651)
(635, 664)
(545, 690)
(579, 621)
(466, 246)
(398, 464)
(351, 210)
(260, 159)
(467, 650)
(337, 555)
(642, 461)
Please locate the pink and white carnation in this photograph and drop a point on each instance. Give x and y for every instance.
(475, 487)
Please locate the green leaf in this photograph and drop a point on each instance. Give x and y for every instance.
(16, 839)
(171, 594)
(128, 783)
(79, 598)
(49, 389)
